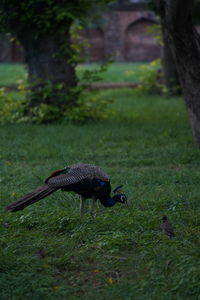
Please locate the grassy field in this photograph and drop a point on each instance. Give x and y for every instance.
(47, 252)
(117, 72)
(11, 73)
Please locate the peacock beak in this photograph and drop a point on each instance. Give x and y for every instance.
(127, 203)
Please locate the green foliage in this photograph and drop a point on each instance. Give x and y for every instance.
(45, 113)
(11, 109)
(150, 78)
(14, 105)
(147, 146)
(155, 31)
(42, 16)
(78, 44)
(90, 106)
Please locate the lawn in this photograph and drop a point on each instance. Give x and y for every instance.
(116, 72)
(47, 252)
(10, 74)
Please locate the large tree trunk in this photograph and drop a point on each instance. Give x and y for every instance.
(176, 18)
(51, 75)
(170, 74)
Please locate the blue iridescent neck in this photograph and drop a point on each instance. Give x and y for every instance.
(107, 201)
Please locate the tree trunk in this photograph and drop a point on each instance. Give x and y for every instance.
(170, 74)
(176, 16)
(51, 75)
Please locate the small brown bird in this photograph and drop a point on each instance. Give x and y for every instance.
(40, 253)
(167, 227)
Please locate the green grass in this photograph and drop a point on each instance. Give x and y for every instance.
(117, 72)
(11, 73)
(148, 147)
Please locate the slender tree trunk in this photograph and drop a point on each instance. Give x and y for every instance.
(184, 41)
(51, 75)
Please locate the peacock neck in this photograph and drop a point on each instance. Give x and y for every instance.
(107, 201)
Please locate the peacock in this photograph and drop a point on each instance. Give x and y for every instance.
(86, 180)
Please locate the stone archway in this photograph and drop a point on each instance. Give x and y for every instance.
(139, 45)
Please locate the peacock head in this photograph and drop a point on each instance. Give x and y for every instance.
(120, 197)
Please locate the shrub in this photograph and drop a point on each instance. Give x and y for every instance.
(90, 106)
(150, 78)
(11, 109)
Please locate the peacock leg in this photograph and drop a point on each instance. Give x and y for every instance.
(93, 207)
(82, 204)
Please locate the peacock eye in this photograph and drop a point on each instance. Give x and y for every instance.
(123, 198)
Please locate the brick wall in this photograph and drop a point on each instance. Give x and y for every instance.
(125, 36)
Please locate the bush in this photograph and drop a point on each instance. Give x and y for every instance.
(11, 109)
(150, 78)
(90, 106)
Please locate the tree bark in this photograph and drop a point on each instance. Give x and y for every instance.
(170, 74)
(184, 41)
(51, 75)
